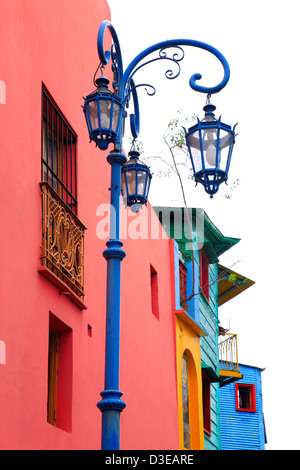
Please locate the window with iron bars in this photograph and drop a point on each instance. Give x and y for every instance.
(204, 273)
(62, 250)
(182, 285)
(59, 152)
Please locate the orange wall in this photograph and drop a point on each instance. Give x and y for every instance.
(54, 42)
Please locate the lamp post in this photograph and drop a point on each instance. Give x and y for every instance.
(105, 115)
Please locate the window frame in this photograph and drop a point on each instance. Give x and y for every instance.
(154, 292)
(183, 285)
(58, 151)
(252, 397)
(52, 376)
(204, 273)
(60, 374)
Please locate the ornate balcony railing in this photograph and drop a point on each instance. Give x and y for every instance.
(62, 243)
(228, 353)
(228, 358)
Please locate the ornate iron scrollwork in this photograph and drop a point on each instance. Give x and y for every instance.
(123, 82)
(63, 240)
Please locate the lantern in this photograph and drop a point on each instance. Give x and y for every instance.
(102, 110)
(210, 143)
(135, 182)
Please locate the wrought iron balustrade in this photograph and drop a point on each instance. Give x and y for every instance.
(62, 241)
(228, 353)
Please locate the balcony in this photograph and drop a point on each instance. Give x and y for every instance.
(62, 255)
(228, 358)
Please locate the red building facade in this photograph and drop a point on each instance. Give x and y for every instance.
(53, 197)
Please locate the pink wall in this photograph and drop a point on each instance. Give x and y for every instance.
(54, 42)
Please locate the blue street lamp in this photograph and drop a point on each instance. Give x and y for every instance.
(210, 143)
(105, 117)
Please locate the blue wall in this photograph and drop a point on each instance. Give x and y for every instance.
(242, 430)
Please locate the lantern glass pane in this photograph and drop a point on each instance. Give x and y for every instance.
(197, 159)
(115, 116)
(148, 186)
(93, 111)
(131, 182)
(141, 182)
(209, 140)
(194, 142)
(105, 107)
(224, 145)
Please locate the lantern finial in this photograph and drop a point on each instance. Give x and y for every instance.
(102, 81)
(209, 108)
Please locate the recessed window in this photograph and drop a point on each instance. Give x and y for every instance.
(63, 233)
(206, 403)
(52, 375)
(182, 285)
(245, 397)
(154, 292)
(59, 404)
(2, 352)
(59, 152)
(204, 275)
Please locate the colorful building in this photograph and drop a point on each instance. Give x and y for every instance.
(202, 285)
(241, 412)
(54, 202)
(54, 198)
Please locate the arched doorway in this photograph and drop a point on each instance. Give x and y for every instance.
(190, 402)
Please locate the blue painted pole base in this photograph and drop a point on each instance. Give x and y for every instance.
(114, 250)
(111, 406)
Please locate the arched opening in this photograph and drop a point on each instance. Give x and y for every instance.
(190, 403)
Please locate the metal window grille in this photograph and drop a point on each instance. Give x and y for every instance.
(59, 153)
(204, 274)
(182, 282)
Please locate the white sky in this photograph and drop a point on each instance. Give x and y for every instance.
(260, 40)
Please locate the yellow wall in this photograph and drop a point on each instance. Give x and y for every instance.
(188, 344)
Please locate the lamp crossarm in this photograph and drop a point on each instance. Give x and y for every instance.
(194, 78)
(123, 82)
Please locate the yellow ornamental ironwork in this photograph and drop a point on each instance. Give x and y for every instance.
(63, 240)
